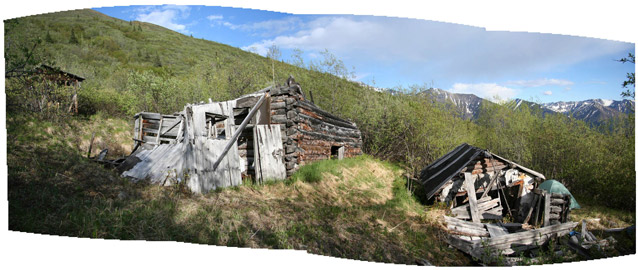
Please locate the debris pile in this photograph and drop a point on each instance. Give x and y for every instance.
(497, 208)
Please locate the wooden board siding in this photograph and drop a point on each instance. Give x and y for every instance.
(286, 131)
(269, 153)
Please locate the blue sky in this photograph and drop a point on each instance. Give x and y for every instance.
(390, 52)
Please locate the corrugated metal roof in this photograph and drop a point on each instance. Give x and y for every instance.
(443, 169)
(434, 176)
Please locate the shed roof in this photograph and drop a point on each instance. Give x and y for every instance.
(439, 172)
(64, 73)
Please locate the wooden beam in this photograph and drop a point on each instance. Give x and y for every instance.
(88, 155)
(239, 130)
(471, 194)
(546, 211)
(531, 208)
(159, 130)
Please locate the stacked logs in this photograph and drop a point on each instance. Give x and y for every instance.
(485, 165)
(308, 132)
(559, 208)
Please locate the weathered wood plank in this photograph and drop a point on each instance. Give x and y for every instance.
(240, 129)
(467, 231)
(456, 221)
(514, 237)
(495, 230)
(469, 186)
(546, 210)
(531, 208)
(495, 213)
(270, 153)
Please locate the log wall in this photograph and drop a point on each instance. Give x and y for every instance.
(308, 132)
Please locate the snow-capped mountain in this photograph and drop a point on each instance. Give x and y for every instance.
(592, 110)
(467, 105)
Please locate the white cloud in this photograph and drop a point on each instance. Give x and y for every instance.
(215, 17)
(540, 82)
(547, 93)
(442, 50)
(268, 27)
(166, 16)
(485, 90)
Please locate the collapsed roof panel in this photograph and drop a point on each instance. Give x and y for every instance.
(434, 176)
(442, 170)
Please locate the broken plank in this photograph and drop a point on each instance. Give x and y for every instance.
(495, 230)
(469, 186)
(520, 237)
(546, 210)
(469, 247)
(456, 221)
(496, 213)
(466, 231)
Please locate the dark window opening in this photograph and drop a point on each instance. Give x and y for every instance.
(216, 126)
(336, 152)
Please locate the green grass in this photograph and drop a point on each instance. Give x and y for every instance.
(53, 189)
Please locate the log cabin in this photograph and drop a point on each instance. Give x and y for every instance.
(266, 135)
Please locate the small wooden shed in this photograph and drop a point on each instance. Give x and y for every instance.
(262, 136)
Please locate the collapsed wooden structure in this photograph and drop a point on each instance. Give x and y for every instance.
(265, 135)
(479, 185)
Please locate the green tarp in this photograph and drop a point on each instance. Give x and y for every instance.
(554, 186)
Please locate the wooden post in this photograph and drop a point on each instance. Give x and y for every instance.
(548, 199)
(531, 208)
(88, 155)
(471, 195)
(239, 130)
(159, 129)
(141, 119)
(75, 96)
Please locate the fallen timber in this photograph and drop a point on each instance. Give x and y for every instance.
(482, 190)
(487, 245)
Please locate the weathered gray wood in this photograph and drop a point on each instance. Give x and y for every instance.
(270, 153)
(239, 130)
(483, 205)
(469, 186)
(531, 234)
(171, 128)
(88, 154)
(583, 229)
(456, 221)
(469, 247)
(546, 210)
(512, 227)
(538, 204)
(557, 201)
(555, 209)
(489, 185)
(495, 230)
(159, 130)
(531, 208)
(467, 231)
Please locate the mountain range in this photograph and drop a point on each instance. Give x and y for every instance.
(592, 110)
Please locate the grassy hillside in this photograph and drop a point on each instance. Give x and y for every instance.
(135, 66)
(117, 57)
(355, 208)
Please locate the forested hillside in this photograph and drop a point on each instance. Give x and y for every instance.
(134, 66)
